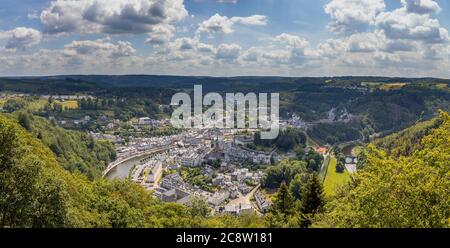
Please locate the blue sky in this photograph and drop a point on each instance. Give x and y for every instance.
(225, 37)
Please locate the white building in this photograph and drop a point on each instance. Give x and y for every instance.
(146, 121)
(219, 197)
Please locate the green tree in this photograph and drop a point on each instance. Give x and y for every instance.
(198, 207)
(312, 200)
(340, 165)
(24, 120)
(284, 202)
(296, 186)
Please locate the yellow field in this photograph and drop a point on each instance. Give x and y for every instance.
(66, 105)
(384, 86)
(334, 180)
(394, 86)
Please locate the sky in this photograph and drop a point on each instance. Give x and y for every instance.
(406, 38)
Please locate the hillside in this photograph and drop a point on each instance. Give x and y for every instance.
(401, 187)
(74, 150)
(404, 143)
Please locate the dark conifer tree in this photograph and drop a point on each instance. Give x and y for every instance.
(312, 200)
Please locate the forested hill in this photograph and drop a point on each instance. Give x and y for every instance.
(401, 187)
(406, 142)
(35, 191)
(86, 83)
(74, 150)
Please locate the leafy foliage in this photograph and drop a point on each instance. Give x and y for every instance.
(284, 172)
(404, 191)
(287, 140)
(75, 151)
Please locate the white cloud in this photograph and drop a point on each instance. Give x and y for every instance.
(223, 24)
(298, 47)
(21, 38)
(33, 15)
(421, 6)
(206, 48)
(118, 16)
(161, 34)
(228, 51)
(363, 42)
(401, 24)
(186, 43)
(393, 42)
(353, 15)
(99, 48)
(257, 20)
(265, 56)
(227, 1)
(217, 24)
(292, 40)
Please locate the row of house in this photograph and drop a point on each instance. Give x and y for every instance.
(238, 154)
(238, 209)
(68, 97)
(261, 201)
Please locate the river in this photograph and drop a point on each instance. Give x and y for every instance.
(121, 171)
(347, 151)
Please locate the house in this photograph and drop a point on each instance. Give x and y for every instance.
(262, 202)
(219, 197)
(321, 150)
(145, 121)
(155, 174)
(218, 180)
(243, 140)
(174, 195)
(171, 181)
(245, 208)
(238, 209)
(193, 160)
(261, 158)
(231, 209)
(350, 164)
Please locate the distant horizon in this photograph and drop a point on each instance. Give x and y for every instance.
(206, 76)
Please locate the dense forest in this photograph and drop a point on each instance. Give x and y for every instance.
(74, 150)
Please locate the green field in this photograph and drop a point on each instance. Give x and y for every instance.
(333, 180)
